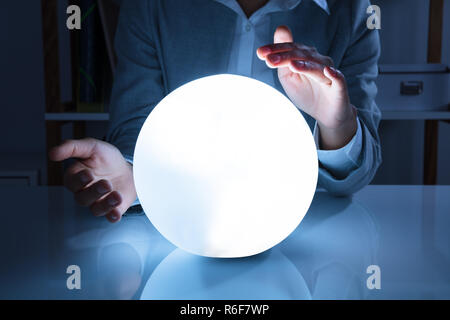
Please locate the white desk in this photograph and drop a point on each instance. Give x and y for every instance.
(404, 230)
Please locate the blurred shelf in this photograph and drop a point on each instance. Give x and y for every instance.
(66, 116)
(414, 115)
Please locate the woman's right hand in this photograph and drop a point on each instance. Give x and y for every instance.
(100, 179)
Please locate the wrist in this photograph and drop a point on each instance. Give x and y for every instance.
(333, 138)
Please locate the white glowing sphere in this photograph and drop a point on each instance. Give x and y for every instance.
(225, 166)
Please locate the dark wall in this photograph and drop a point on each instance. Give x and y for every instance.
(21, 74)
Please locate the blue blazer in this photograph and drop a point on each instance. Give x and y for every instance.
(163, 44)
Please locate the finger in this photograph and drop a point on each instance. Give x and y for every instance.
(88, 196)
(310, 69)
(107, 204)
(283, 59)
(114, 215)
(76, 179)
(83, 149)
(283, 34)
(264, 51)
(337, 78)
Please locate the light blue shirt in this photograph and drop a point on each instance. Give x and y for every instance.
(249, 35)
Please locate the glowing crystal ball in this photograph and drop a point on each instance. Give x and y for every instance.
(225, 166)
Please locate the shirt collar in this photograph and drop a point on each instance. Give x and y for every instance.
(281, 4)
(323, 4)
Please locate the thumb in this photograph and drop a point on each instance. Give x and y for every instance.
(283, 34)
(82, 149)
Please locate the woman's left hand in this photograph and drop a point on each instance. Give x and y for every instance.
(314, 86)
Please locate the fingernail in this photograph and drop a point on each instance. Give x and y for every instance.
(102, 189)
(85, 178)
(264, 50)
(300, 63)
(275, 58)
(112, 217)
(113, 201)
(333, 71)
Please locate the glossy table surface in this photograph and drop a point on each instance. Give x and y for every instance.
(403, 230)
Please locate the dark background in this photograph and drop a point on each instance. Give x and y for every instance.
(404, 38)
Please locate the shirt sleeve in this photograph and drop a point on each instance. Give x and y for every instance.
(138, 82)
(341, 162)
(130, 161)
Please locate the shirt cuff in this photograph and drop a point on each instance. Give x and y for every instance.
(130, 160)
(343, 161)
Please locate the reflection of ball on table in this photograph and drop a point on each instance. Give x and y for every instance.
(268, 276)
(225, 166)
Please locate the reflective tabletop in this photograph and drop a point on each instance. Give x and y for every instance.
(385, 242)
